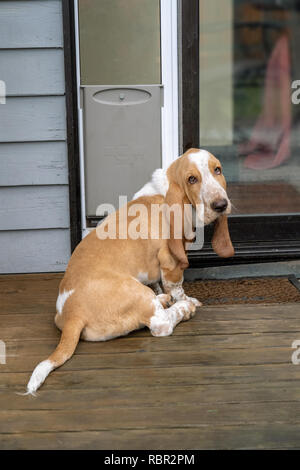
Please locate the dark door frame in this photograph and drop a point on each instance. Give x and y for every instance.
(258, 238)
(72, 121)
(189, 73)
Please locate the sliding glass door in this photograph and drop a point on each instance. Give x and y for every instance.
(240, 66)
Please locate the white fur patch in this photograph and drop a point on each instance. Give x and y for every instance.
(210, 186)
(163, 322)
(39, 375)
(160, 324)
(211, 189)
(62, 298)
(143, 278)
(159, 184)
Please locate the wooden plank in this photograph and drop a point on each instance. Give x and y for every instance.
(13, 325)
(275, 436)
(8, 278)
(42, 71)
(97, 361)
(135, 343)
(29, 293)
(25, 119)
(34, 163)
(158, 396)
(25, 24)
(34, 250)
(34, 207)
(62, 379)
(201, 415)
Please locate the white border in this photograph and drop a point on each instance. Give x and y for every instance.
(169, 67)
(169, 113)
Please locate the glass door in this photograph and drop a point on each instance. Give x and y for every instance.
(240, 66)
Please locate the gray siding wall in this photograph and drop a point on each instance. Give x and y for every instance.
(34, 201)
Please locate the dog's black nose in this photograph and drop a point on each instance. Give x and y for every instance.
(220, 205)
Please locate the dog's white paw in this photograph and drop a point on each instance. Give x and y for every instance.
(194, 301)
(186, 308)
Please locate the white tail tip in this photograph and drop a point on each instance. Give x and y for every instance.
(33, 394)
(38, 376)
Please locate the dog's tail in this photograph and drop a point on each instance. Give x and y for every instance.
(69, 339)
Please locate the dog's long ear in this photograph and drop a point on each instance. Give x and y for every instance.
(175, 195)
(221, 241)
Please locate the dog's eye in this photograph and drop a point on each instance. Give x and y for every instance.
(192, 180)
(218, 170)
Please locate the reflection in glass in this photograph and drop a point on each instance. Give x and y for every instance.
(248, 62)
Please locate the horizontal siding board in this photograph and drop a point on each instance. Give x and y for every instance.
(34, 207)
(33, 163)
(32, 251)
(28, 119)
(31, 23)
(32, 71)
(34, 196)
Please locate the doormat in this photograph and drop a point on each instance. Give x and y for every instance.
(251, 197)
(245, 291)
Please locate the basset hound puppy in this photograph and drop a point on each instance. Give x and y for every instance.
(106, 293)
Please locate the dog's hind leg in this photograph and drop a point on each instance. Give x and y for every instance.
(163, 321)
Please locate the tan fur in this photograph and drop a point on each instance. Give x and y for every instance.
(108, 300)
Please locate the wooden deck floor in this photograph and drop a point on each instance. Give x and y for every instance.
(223, 380)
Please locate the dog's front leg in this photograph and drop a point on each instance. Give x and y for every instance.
(172, 284)
(156, 288)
